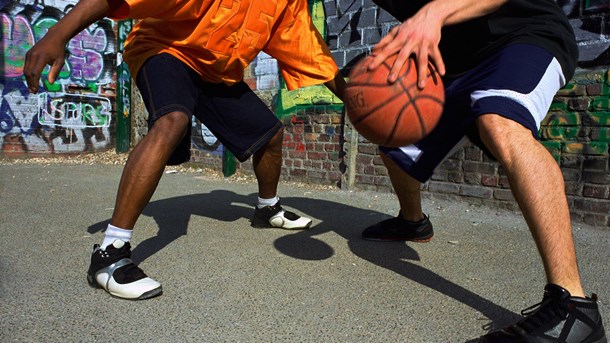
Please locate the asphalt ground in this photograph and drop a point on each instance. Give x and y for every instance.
(225, 281)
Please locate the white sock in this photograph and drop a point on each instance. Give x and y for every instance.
(267, 202)
(113, 233)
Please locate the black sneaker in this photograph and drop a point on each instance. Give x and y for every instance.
(113, 270)
(398, 229)
(275, 216)
(558, 318)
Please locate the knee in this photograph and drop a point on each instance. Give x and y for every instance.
(503, 137)
(273, 149)
(173, 124)
(275, 143)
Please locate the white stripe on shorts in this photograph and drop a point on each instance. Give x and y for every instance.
(539, 100)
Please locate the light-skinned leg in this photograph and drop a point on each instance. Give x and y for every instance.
(538, 187)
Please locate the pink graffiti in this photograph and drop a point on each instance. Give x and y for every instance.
(17, 39)
(86, 61)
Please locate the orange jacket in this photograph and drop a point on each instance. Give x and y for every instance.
(219, 38)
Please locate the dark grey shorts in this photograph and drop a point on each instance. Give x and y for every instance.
(518, 83)
(234, 114)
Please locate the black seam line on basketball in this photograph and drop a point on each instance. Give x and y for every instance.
(364, 116)
(411, 101)
(419, 116)
(422, 124)
(433, 98)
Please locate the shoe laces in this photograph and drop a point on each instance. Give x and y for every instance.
(544, 312)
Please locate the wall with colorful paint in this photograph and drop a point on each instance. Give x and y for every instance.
(321, 147)
(576, 132)
(83, 111)
(74, 114)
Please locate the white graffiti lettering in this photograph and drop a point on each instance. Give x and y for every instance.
(74, 110)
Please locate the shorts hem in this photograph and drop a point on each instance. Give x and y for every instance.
(246, 154)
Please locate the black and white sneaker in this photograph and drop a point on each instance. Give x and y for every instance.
(559, 318)
(276, 216)
(113, 270)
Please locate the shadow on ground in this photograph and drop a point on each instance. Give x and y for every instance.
(172, 217)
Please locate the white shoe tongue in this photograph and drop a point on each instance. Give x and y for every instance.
(118, 243)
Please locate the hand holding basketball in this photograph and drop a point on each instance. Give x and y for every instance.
(393, 114)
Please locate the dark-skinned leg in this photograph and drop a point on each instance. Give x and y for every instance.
(111, 266)
(145, 166)
(267, 163)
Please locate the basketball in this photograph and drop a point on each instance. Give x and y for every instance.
(397, 114)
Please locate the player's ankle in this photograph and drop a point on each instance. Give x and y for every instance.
(412, 217)
(575, 288)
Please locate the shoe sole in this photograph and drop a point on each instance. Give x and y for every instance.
(146, 295)
(267, 226)
(263, 224)
(297, 228)
(383, 239)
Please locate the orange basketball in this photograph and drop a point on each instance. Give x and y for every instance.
(397, 114)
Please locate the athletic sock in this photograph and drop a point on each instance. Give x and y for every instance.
(267, 202)
(113, 233)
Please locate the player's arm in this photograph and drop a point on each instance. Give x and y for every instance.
(420, 34)
(337, 85)
(50, 49)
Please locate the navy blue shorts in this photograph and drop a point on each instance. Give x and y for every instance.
(518, 83)
(234, 114)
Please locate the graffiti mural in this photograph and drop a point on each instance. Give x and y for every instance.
(591, 34)
(203, 139)
(354, 27)
(73, 114)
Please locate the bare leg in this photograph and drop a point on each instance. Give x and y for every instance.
(408, 191)
(267, 163)
(145, 166)
(537, 184)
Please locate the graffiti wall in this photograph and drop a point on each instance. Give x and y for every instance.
(589, 19)
(75, 113)
(355, 26)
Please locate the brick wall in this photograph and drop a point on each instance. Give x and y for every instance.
(321, 148)
(313, 146)
(576, 130)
